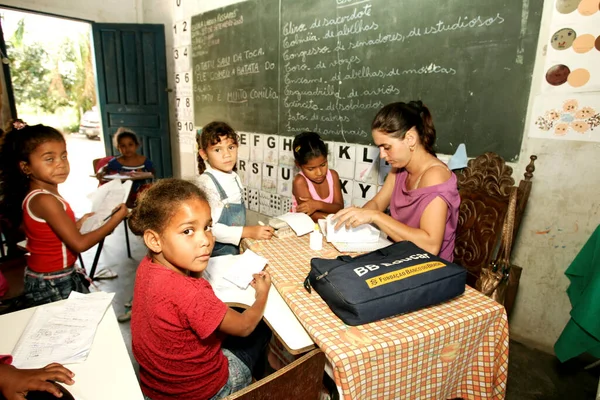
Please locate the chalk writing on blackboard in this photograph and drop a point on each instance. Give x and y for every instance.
(285, 66)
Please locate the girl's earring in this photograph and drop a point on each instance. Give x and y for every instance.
(411, 148)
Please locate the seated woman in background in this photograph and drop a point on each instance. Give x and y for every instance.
(420, 191)
(130, 162)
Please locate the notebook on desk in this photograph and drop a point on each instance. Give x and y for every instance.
(278, 315)
(355, 247)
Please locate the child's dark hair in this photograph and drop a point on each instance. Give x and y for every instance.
(308, 145)
(125, 133)
(396, 119)
(212, 134)
(16, 146)
(157, 205)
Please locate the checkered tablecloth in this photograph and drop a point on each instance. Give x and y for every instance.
(455, 349)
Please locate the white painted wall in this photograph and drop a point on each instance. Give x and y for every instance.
(565, 199)
(91, 10)
(566, 184)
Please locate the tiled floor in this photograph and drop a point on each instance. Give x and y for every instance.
(533, 375)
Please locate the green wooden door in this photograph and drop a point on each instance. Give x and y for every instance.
(131, 71)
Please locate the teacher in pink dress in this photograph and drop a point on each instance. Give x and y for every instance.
(420, 191)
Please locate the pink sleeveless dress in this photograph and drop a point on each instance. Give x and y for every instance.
(407, 206)
(313, 191)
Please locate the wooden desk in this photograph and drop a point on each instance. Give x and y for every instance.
(106, 374)
(455, 349)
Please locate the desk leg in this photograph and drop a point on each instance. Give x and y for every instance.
(96, 258)
(127, 238)
(81, 262)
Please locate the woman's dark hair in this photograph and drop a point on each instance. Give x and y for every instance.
(16, 146)
(157, 205)
(308, 145)
(212, 134)
(396, 119)
(125, 133)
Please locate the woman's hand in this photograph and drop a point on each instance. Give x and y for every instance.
(15, 383)
(352, 217)
(81, 220)
(307, 206)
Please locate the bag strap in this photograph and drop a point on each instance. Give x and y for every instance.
(507, 230)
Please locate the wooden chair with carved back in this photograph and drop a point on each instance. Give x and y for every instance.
(484, 187)
(299, 380)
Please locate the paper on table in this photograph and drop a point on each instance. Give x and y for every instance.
(301, 223)
(360, 247)
(239, 271)
(116, 176)
(62, 333)
(361, 234)
(132, 176)
(104, 201)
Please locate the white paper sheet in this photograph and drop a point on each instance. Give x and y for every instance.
(112, 177)
(361, 234)
(104, 200)
(241, 271)
(301, 223)
(62, 333)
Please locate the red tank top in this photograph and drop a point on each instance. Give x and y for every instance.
(47, 253)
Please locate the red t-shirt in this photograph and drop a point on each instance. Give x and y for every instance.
(174, 334)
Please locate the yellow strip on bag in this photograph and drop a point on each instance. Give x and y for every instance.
(403, 273)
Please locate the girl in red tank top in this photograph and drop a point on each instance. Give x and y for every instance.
(33, 161)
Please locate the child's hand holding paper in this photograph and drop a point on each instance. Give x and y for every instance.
(242, 272)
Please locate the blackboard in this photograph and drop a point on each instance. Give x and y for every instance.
(235, 56)
(330, 65)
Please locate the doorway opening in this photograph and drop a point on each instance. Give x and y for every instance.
(54, 83)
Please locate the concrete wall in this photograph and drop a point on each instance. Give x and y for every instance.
(91, 10)
(565, 201)
(566, 187)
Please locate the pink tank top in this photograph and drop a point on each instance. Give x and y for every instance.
(47, 253)
(407, 206)
(313, 191)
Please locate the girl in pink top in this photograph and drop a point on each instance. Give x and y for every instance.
(420, 191)
(316, 189)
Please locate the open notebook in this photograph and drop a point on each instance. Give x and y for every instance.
(277, 313)
(347, 247)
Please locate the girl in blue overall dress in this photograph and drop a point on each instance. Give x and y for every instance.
(217, 157)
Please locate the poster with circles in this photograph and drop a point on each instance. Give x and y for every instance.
(573, 48)
(567, 117)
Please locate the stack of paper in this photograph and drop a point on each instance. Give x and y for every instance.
(301, 223)
(356, 247)
(361, 234)
(61, 333)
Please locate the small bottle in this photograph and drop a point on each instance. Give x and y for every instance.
(316, 239)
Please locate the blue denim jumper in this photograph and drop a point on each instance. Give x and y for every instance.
(232, 215)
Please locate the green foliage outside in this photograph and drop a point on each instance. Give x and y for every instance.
(58, 82)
